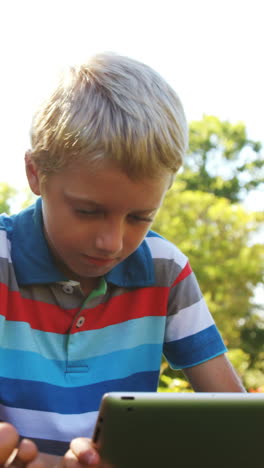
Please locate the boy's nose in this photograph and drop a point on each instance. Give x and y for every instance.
(110, 239)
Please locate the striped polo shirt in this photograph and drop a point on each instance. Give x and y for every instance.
(61, 351)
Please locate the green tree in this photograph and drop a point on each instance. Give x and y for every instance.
(12, 200)
(202, 217)
(216, 235)
(222, 159)
(7, 194)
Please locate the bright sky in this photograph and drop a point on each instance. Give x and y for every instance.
(211, 52)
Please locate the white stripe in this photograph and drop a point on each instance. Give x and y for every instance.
(4, 246)
(161, 248)
(188, 321)
(54, 426)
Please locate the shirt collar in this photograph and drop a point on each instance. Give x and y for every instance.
(34, 264)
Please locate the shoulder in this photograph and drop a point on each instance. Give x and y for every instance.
(6, 222)
(160, 247)
(9, 225)
(6, 230)
(169, 261)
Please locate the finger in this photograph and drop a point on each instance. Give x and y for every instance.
(27, 452)
(70, 460)
(85, 451)
(16, 463)
(36, 463)
(8, 441)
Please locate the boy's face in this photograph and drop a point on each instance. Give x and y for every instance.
(95, 217)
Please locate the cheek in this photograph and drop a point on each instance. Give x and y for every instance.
(74, 237)
(59, 233)
(135, 237)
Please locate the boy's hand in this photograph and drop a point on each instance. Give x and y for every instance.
(14, 453)
(83, 452)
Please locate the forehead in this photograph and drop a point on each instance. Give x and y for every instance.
(109, 185)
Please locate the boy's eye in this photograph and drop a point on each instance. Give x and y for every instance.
(98, 212)
(144, 219)
(87, 212)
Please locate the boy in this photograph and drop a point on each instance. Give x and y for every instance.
(90, 297)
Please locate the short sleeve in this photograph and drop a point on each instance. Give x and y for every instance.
(191, 336)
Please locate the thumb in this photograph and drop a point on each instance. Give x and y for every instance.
(8, 441)
(85, 451)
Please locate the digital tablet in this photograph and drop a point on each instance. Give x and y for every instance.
(166, 430)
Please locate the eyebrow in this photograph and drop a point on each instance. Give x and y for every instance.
(80, 199)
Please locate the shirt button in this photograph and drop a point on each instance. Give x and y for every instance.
(80, 322)
(67, 288)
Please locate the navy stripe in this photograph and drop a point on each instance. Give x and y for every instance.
(203, 345)
(52, 447)
(74, 400)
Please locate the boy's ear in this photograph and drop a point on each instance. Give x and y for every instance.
(32, 173)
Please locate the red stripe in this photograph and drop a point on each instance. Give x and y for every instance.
(39, 315)
(51, 318)
(183, 274)
(144, 302)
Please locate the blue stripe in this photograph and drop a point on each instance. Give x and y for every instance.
(46, 397)
(31, 366)
(203, 346)
(19, 336)
(123, 336)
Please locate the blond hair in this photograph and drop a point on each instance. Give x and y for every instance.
(111, 108)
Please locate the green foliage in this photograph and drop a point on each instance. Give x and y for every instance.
(217, 237)
(240, 360)
(222, 160)
(6, 195)
(171, 380)
(170, 384)
(252, 340)
(12, 200)
(200, 215)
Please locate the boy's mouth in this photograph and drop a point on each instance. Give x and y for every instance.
(100, 261)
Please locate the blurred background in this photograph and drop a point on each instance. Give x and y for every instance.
(211, 52)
